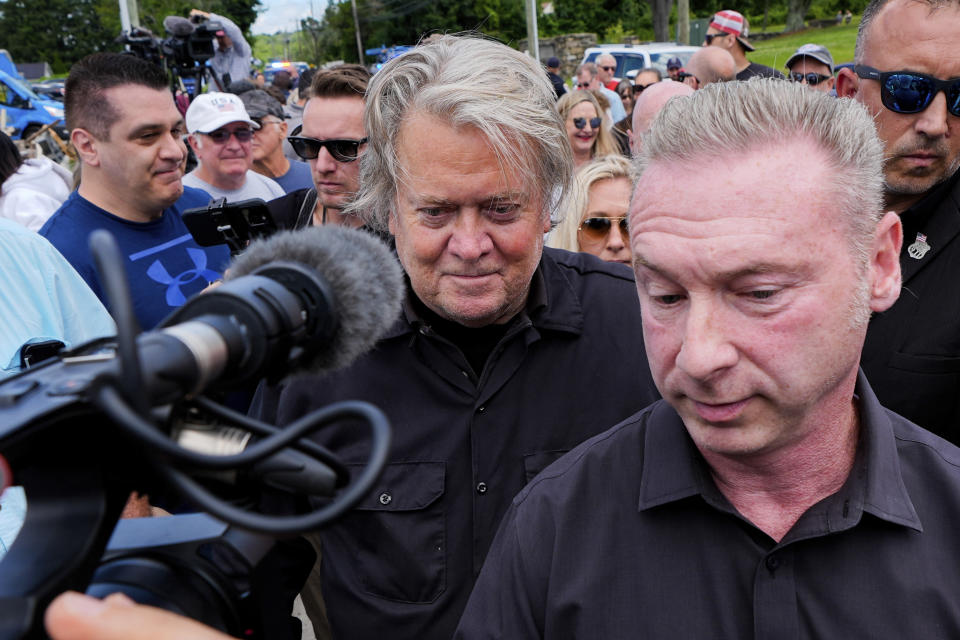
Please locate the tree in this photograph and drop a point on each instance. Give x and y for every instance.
(56, 31)
(796, 12)
(661, 19)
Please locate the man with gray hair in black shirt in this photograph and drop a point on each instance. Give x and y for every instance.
(769, 495)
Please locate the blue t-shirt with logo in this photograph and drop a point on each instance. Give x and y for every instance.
(164, 264)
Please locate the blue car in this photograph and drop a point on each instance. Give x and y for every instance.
(27, 111)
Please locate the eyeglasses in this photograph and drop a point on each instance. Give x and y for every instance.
(597, 229)
(911, 92)
(638, 88)
(580, 123)
(683, 75)
(342, 150)
(609, 68)
(220, 136)
(584, 85)
(813, 79)
(708, 38)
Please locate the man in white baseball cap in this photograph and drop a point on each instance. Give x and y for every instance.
(220, 135)
(729, 30)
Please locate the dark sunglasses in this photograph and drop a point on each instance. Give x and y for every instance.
(309, 148)
(911, 92)
(584, 85)
(597, 229)
(609, 68)
(638, 88)
(708, 38)
(813, 79)
(220, 136)
(580, 123)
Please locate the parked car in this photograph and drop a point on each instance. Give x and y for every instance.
(26, 111)
(52, 89)
(633, 57)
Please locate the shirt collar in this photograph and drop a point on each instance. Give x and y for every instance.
(673, 468)
(551, 304)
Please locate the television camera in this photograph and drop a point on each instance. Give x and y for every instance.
(133, 413)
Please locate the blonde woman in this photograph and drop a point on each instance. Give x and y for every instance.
(587, 127)
(596, 219)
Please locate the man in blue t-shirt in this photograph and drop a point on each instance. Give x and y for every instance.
(128, 135)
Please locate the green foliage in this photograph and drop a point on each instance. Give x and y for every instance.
(840, 40)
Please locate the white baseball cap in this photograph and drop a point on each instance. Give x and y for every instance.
(210, 111)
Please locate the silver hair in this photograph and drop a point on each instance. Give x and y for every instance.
(467, 82)
(564, 236)
(742, 116)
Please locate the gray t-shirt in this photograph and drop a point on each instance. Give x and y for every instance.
(256, 186)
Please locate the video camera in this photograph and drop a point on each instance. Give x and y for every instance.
(81, 431)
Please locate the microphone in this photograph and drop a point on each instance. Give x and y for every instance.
(300, 301)
(178, 26)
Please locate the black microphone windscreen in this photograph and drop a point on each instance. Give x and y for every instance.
(362, 272)
(178, 26)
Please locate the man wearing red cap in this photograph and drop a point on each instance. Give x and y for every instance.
(729, 30)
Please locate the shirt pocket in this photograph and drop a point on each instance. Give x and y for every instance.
(534, 463)
(401, 534)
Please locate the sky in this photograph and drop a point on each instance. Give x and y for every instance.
(285, 15)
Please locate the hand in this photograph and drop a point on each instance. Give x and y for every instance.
(75, 616)
(198, 12)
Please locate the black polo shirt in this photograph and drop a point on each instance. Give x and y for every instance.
(628, 537)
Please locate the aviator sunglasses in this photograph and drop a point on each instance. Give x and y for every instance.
(580, 123)
(911, 92)
(597, 229)
(342, 150)
(220, 136)
(813, 79)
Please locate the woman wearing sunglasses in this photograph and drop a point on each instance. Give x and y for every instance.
(596, 220)
(589, 135)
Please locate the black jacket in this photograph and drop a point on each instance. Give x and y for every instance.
(912, 353)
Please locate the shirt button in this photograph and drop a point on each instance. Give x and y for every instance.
(481, 409)
(386, 498)
(773, 562)
(465, 374)
(481, 488)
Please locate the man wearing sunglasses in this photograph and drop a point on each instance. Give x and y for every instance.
(588, 78)
(907, 74)
(728, 30)
(506, 354)
(267, 143)
(330, 140)
(221, 134)
(812, 65)
(606, 70)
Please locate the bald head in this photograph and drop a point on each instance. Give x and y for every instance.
(712, 64)
(648, 106)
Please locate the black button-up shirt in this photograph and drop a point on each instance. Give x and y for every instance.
(628, 537)
(572, 363)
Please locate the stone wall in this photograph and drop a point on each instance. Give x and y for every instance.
(569, 48)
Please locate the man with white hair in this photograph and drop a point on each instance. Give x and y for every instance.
(466, 160)
(769, 494)
(221, 134)
(606, 70)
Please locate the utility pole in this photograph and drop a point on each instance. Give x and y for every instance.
(356, 28)
(533, 42)
(683, 21)
(129, 15)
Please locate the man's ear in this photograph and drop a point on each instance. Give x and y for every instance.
(86, 146)
(885, 262)
(848, 84)
(392, 222)
(193, 142)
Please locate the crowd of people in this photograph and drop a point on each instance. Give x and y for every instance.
(677, 358)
